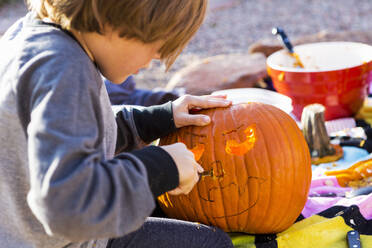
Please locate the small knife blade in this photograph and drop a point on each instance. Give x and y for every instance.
(207, 173)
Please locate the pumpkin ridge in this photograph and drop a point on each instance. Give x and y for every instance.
(213, 158)
(278, 119)
(237, 175)
(250, 191)
(251, 161)
(258, 112)
(252, 199)
(224, 159)
(268, 140)
(290, 140)
(303, 162)
(202, 184)
(194, 211)
(247, 196)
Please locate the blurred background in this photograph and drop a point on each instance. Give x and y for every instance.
(233, 26)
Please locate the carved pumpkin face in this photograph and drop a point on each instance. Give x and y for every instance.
(260, 170)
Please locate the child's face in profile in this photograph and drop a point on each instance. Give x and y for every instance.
(118, 57)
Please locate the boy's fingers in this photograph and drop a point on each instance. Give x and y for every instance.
(199, 168)
(208, 102)
(191, 186)
(175, 191)
(216, 96)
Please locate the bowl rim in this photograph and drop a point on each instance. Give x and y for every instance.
(299, 70)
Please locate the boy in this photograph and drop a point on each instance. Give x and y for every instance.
(84, 171)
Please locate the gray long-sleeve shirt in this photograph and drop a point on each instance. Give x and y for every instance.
(60, 183)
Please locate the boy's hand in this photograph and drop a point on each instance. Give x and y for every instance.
(184, 104)
(187, 167)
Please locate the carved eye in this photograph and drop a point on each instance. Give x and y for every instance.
(235, 148)
(197, 150)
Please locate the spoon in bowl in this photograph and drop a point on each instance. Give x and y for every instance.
(287, 44)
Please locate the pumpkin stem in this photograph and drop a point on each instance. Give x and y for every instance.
(314, 130)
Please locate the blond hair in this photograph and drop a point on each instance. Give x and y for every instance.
(173, 21)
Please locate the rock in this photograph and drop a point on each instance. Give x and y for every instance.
(217, 5)
(265, 46)
(354, 36)
(220, 72)
(269, 46)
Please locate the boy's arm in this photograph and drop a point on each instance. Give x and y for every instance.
(75, 192)
(146, 125)
(126, 93)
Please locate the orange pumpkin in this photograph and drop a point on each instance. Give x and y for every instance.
(258, 170)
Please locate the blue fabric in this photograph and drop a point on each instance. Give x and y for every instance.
(163, 232)
(126, 93)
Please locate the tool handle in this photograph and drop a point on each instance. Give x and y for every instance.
(277, 31)
(353, 239)
(206, 173)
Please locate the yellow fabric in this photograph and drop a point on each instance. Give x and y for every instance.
(365, 111)
(243, 241)
(315, 231)
(366, 240)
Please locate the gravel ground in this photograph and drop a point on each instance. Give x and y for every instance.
(232, 25)
(232, 29)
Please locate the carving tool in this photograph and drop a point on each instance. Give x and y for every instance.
(207, 173)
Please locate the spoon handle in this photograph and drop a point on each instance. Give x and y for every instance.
(277, 31)
(280, 32)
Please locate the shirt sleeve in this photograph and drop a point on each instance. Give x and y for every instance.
(75, 192)
(146, 124)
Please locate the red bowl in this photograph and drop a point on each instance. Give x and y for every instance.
(335, 74)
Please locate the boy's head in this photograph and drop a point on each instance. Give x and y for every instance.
(173, 22)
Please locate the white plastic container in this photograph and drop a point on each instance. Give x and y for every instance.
(244, 95)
